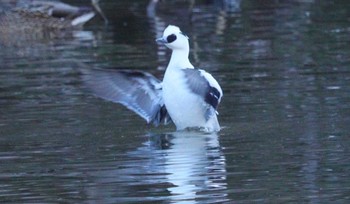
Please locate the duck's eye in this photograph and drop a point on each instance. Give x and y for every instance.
(171, 38)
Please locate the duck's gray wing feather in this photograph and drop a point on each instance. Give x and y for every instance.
(204, 85)
(139, 91)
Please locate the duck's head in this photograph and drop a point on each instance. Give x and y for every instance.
(174, 39)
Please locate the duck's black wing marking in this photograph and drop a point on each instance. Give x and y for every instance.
(139, 91)
(203, 84)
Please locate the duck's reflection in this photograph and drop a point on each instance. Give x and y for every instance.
(193, 164)
(178, 167)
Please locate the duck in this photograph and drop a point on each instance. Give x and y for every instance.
(187, 96)
(43, 15)
(191, 95)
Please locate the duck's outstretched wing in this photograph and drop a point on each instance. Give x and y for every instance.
(139, 91)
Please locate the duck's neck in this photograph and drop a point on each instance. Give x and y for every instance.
(179, 59)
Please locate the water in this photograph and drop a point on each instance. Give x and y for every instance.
(284, 70)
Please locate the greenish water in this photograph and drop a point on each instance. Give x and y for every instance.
(284, 70)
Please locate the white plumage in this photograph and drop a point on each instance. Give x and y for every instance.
(187, 96)
(190, 95)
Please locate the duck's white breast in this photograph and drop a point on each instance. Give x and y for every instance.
(185, 108)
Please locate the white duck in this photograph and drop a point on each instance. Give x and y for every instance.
(188, 96)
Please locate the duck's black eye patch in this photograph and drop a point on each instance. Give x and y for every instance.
(171, 38)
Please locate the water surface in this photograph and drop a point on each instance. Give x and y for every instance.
(284, 70)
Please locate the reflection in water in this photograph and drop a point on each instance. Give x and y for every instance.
(194, 164)
(180, 167)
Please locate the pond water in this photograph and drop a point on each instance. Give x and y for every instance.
(284, 70)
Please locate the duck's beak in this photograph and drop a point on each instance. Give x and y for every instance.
(161, 40)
